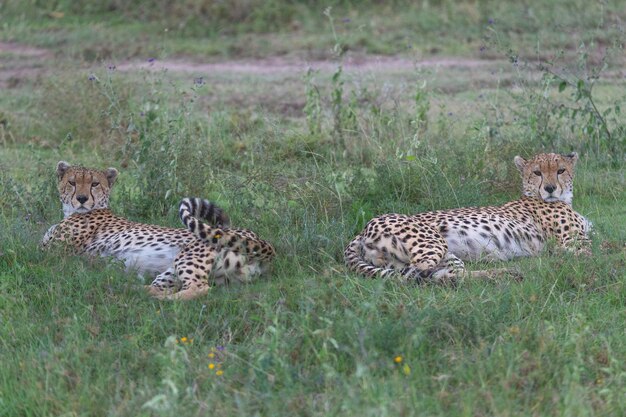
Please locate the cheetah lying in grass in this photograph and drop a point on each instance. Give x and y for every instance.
(186, 261)
(432, 246)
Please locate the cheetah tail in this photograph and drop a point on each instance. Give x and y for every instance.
(203, 210)
(211, 233)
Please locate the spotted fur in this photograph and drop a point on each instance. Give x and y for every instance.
(220, 254)
(169, 253)
(84, 189)
(146, 248)
(548, 176)
(432, 246)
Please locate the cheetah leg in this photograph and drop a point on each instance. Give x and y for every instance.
(452, 270)
(48, 236)
(197, 289)
(412, 256)
(192, 267)
(430, 260)
(449, 270)
(164, 283)
(495, 273)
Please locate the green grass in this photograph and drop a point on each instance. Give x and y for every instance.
(305, 162)
(255, 28)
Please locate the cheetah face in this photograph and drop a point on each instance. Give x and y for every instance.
(548, 176)
(83, 189)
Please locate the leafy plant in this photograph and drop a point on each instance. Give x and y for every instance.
(576, 120)
(313, 105)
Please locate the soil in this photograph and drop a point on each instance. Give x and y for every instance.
(267, 66)
(22, 63)
(19, 63)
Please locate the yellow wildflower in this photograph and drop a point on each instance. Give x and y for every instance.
(220, 372)
(398, 359)
(183, 339)
(211, 365)
(211, 355)
(514, 330)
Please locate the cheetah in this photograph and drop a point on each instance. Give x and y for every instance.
(90, 227)
(431, 246)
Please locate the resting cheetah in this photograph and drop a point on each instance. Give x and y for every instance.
(432, 245)
(90, 227)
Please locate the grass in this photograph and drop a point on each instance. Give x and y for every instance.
(114, 30)
(305, 162)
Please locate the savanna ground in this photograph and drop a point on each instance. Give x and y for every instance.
(304, 122)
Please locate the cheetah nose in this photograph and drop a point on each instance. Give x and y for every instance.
(81, 199)
(549, 188)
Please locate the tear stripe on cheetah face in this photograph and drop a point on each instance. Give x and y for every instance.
(433, 245)
(548, 176)
(83, 189)
(219, 255)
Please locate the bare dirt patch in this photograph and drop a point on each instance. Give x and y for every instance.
(268, 66)
(275, 83)
(21, 63)
(23, 50)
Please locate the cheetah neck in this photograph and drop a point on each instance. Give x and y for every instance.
(546, 215)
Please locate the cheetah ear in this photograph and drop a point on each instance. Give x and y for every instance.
(62, 168)
(520, 163)
(111, 174)
(573, 157)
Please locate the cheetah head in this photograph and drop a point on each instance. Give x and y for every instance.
(84, 189)
(548, 176)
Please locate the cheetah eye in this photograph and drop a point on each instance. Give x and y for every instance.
(72, 183)
(95, 184)
(537, 173)
(560, 171)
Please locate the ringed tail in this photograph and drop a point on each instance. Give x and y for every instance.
(193, 210)
(203, 210)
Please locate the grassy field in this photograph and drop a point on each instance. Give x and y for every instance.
(304, 122)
